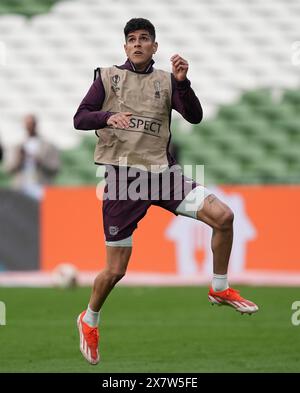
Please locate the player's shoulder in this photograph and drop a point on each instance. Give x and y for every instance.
(101, 73)
(105, 68)
(162, 72)
(163, 75)
(111, 69)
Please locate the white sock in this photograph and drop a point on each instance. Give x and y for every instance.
(219, 282)
(91, 317)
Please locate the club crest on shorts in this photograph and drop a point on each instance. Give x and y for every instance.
(113, 230)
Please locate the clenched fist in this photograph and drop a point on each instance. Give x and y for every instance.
(179, 67)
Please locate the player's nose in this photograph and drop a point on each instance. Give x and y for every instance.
(138, 42)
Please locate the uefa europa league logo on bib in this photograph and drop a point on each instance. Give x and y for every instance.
(115, 81)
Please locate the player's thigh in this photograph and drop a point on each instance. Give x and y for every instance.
(215, 213)
(117, 258)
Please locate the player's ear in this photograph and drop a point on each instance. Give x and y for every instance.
(125, 48)
(155, 46)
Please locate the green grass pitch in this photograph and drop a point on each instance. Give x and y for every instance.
(149, 329)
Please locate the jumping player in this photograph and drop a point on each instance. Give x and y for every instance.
(130, 107)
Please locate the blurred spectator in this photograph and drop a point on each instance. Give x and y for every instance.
(35, 163)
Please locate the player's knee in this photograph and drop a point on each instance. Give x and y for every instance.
(225, 221)
(116, 275)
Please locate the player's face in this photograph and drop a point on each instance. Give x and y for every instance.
(140, 48)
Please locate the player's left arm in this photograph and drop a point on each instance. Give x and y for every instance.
(184, 99)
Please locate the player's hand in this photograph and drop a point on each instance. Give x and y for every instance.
(119, 120)
(179, 67)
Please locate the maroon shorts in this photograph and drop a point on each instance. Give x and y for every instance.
(126, 202)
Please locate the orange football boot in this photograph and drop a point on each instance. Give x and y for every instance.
(89, 340)
(231, 297)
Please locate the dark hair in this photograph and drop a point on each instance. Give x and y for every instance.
(139, 24)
